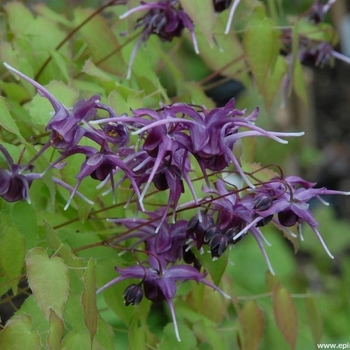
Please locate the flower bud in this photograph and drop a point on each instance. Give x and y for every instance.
(133, 294)
(218, 245)
(262, 202)
(287, 218)
(221, 5)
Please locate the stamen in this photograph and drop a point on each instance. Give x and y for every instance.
(172, 312)
(322, 242)
(230, 18)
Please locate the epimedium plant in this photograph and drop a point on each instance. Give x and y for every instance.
(116, 192)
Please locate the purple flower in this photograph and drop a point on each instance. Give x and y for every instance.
(14, 182)
(236, 215)
(164, 241)
(98, 165)
(159, 282)
(160, 274)
(164, 18)
(66, 125)
(198, 228)
(290, 197)
(213, 134)
(318, 10)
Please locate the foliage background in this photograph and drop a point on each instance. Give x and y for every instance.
(94, 60)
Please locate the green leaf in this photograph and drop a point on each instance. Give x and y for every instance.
(56, 327)
(63, 250)
(24, 215)
(76, 341)
(12, 253)
(319, 32)
(61, 63)
(299, 82)
(137, 335)
(48, 280)
(271, 280)
(216, 268)
(89, 299)
(252, 322)
(74, 315)
(192, 92)
(202, 15)
(169, 341)
(47, 12)
(6, 120)
(209, 333)
(261, 49)
(18, 334)
(315, 318)
(14, 92)
(104, 338)
(230, 46)
(91, 69)
(285, 314)
(19, 17)
(99, 37)
(273, 86)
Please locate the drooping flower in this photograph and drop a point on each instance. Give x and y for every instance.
(164, 18)
(159, 283)
(160, 274)
(66, 125)
(98, 165)
(16, 180)
(213, 134)
(318, 10)
(290, 203)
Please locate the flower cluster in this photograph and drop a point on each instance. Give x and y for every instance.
(171, 140)
(167, 20)
(317, 52)
(159, 274)
(228, 217)
(164, 18)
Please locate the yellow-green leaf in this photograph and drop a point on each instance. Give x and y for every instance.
(63, 250)
(261, 48)
(48, 279)
(315, 318)
(56, 327)
(76, 341)
(253, 323)
(6, 120)
(273, 85)
(217, 59)
(285, 314)
(12, 253)
(299, 82)
(19, 17)
(18, 334)
(89, 299)
(102, 42)
(271, 280)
